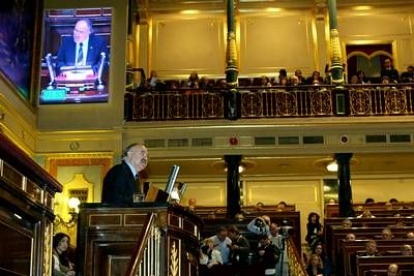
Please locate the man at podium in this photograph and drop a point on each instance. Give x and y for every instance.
(121, 182)
(82, 49)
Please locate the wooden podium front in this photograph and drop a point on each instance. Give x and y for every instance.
(108, 235)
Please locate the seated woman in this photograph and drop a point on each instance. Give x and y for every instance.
(60, 260)
(209, 255)
(314, 267)
(326, 264)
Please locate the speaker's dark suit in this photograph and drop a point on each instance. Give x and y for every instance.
(119, 185)
(67, 52)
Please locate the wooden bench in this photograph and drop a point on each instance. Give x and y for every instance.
(221, 211)
(377, 209)
(365, 264)
(349, 250)
(339, 233)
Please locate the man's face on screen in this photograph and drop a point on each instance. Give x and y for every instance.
(81, 31)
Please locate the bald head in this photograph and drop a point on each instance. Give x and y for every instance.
(82, 30)
(392, 270)
(137, 156)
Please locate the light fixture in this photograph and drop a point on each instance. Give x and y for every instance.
(190, 12)
(332, 167)
(73, 205)
(273, 9)
(362, 8)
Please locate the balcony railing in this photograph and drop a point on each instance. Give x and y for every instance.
(272, 102)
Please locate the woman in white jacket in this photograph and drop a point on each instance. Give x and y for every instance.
(209, 255)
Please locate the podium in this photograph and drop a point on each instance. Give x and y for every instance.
(108, 236)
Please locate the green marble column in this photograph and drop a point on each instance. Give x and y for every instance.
(231, 69)
(337, 69)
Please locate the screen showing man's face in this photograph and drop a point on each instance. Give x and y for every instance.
(81, 31)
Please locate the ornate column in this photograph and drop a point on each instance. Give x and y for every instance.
(233, 188)
(231, 69)
(337, 69)
(344, 180)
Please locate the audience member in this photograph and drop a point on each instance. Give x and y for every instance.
(326, 264)
(366, 214)
(316, 78)
(406, 250)
(205, 83)
(369, 201)
(268, 255)
(361, 78)
(193, 80)
(282, 75)
(408, 76)
(259, 226)
(314, 233)
(153, 80)
(393, 200)
(392, 270)
(354, 80)
(371, 249)
(388, 205)
(386, 234)
(315, 266)
(264, 82)
(239, 248)
(209, 255)
(389, 71)
(350, 237)
(281, 205)
(60, 261)
(410, 236)
(347, 223)
(301, 79)
(221, 243)
(192, 203)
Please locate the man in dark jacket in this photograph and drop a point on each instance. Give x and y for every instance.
(240, 246)
(268, 255)
(121, 182)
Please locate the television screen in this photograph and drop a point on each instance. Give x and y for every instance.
(76, 56)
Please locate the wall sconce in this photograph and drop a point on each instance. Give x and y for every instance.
(73, 205)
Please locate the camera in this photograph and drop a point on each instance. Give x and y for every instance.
(260, 222)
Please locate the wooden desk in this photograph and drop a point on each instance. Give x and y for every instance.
(107, 236)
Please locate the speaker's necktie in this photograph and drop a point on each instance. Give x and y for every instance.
(80, 55)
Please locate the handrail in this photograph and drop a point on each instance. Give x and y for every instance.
(138, 255)
(296, 267)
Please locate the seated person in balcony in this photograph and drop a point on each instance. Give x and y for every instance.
(153, 82)
(389, 71)
(408, 76)
(205, 83)
(371, 249)
(83, 48)
(222, 242)
(315, 79)
(361, 78)
(61, 265)
(121, 182)
(209, 255)
(265, 82)
(301, 79)
(268, 255)
(193, 80)
(239, 248)
(315, 266)
(282, 74)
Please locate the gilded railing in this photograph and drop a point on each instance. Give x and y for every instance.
(296, 267)
(146, 259)
(273, 102)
